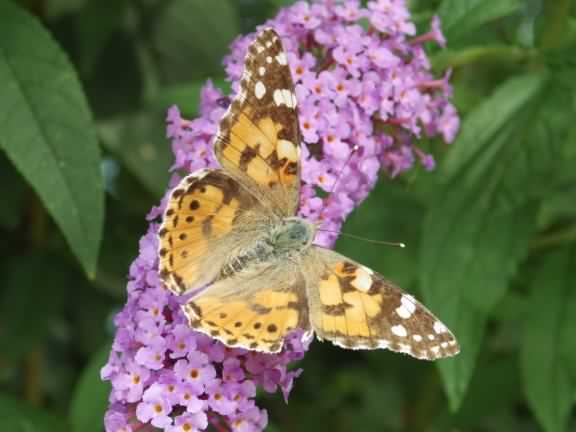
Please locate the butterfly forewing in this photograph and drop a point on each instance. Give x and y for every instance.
(199, 220)
(258, 141)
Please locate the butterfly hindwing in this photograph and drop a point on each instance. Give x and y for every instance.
(200, 225)
(356, 308)
(258, 141)
(252, 310)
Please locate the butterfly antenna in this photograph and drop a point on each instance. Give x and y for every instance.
(348, 159)
(380, 242)
(320, 222)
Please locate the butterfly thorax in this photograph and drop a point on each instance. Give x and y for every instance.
(285, 240)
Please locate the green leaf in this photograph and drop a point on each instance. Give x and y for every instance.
(390, 213)
(33, 286)
(140, 142)
(469, 253)
(96, 24)
(493, 54)
(460, 17)
(90, 398)
(480, 221)
(17, 416)
(489, 151)
(499, 372)
(186, 96)
(548, 352)
(553, 28)
(281, 3)
(184, 38)
(47, 132)
(13, 192)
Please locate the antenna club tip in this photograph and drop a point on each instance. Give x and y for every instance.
(402, 245)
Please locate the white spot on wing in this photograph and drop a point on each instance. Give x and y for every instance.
(383, 343)
(289, 98)
(284, 97)
(268, 59)
(431, 337)
(407, 307)
(435, 349)
(417, 337)
(363, 280)
(287, 149)
(439, 327)
(261, 70)
(259, 90)
(281, 59)
(404, 348)
(278, 99)
(399, 330)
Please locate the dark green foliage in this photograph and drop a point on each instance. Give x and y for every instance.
(490, 234)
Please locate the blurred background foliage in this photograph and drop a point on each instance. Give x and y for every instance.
(491, 233)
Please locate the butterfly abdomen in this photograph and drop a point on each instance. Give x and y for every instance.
(286, 240)
(259, 254)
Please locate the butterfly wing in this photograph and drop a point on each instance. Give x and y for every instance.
(258, 141)
(253, 310)
(207, 219)
(356, 308)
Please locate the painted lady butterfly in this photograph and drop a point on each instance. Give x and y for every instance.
(234, 231)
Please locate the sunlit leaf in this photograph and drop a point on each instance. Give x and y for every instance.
(479, 225)
(47, 132)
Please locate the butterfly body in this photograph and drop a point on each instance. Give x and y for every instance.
(284, 241)
(234, 233)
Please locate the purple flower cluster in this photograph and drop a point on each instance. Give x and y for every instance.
(365, 92)
(166, 375)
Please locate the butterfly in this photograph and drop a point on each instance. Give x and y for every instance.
(234, 232)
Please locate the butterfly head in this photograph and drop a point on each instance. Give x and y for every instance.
(293, 234)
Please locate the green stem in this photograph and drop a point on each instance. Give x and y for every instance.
(37, 234)
(496, 53)
(32, 377)
(555, 18)
(545, 241)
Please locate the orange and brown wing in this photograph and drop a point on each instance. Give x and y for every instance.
(201, 214)
(255, 313)
(258, 141)
(356, 308)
